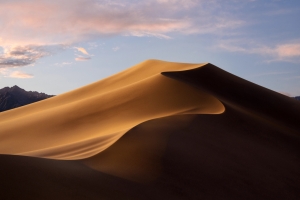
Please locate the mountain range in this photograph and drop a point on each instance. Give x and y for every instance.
(13, 97)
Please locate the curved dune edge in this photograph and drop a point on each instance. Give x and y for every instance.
(138, 155)
(84, 122)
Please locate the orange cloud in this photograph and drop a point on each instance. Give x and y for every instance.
(19, 74)
(82, 50)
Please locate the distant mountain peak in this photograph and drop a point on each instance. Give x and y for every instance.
(13, 97)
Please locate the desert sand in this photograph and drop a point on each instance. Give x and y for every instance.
(158, 130)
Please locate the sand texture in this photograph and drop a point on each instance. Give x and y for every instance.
(158, 130)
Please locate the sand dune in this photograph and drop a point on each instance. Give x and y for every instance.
(86, 121)
(158, 130)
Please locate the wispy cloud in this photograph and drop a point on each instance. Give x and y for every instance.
(14, 74)
(74, 21)
(80, 58)
(289, 52)
(82, 50)
(86, 56)
(78, 20)
(19, 74)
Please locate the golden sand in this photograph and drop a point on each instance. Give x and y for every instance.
(86, 121)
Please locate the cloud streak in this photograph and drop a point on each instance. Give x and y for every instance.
(19, 74)
(14, 74)
(289, 52)
(71, 21)
(80, 58)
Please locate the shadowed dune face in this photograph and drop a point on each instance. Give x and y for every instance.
(252, 99)
(138, 154)
(86, 121)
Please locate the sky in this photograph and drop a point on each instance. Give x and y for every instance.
(59, 45)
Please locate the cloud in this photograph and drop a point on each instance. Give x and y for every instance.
(82, 50)
(29, 26)
(289, 52)
(71, 21)
(18, 56)
(19, 74)
(80, 58)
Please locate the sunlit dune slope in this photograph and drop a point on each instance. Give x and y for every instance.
(84, 122)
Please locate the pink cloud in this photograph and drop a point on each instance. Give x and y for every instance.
(289, 52)
(68, 22)
(43, 22)
(19, 74)
(80, 58)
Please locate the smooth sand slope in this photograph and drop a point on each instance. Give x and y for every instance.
(151, 132)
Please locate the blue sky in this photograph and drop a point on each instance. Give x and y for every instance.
(57, 46)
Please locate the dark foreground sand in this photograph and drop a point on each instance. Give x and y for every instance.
(251, 151)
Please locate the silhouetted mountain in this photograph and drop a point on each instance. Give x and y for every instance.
(297, 97)
(13, 97)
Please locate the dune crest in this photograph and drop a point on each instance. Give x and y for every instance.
(86, 121)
